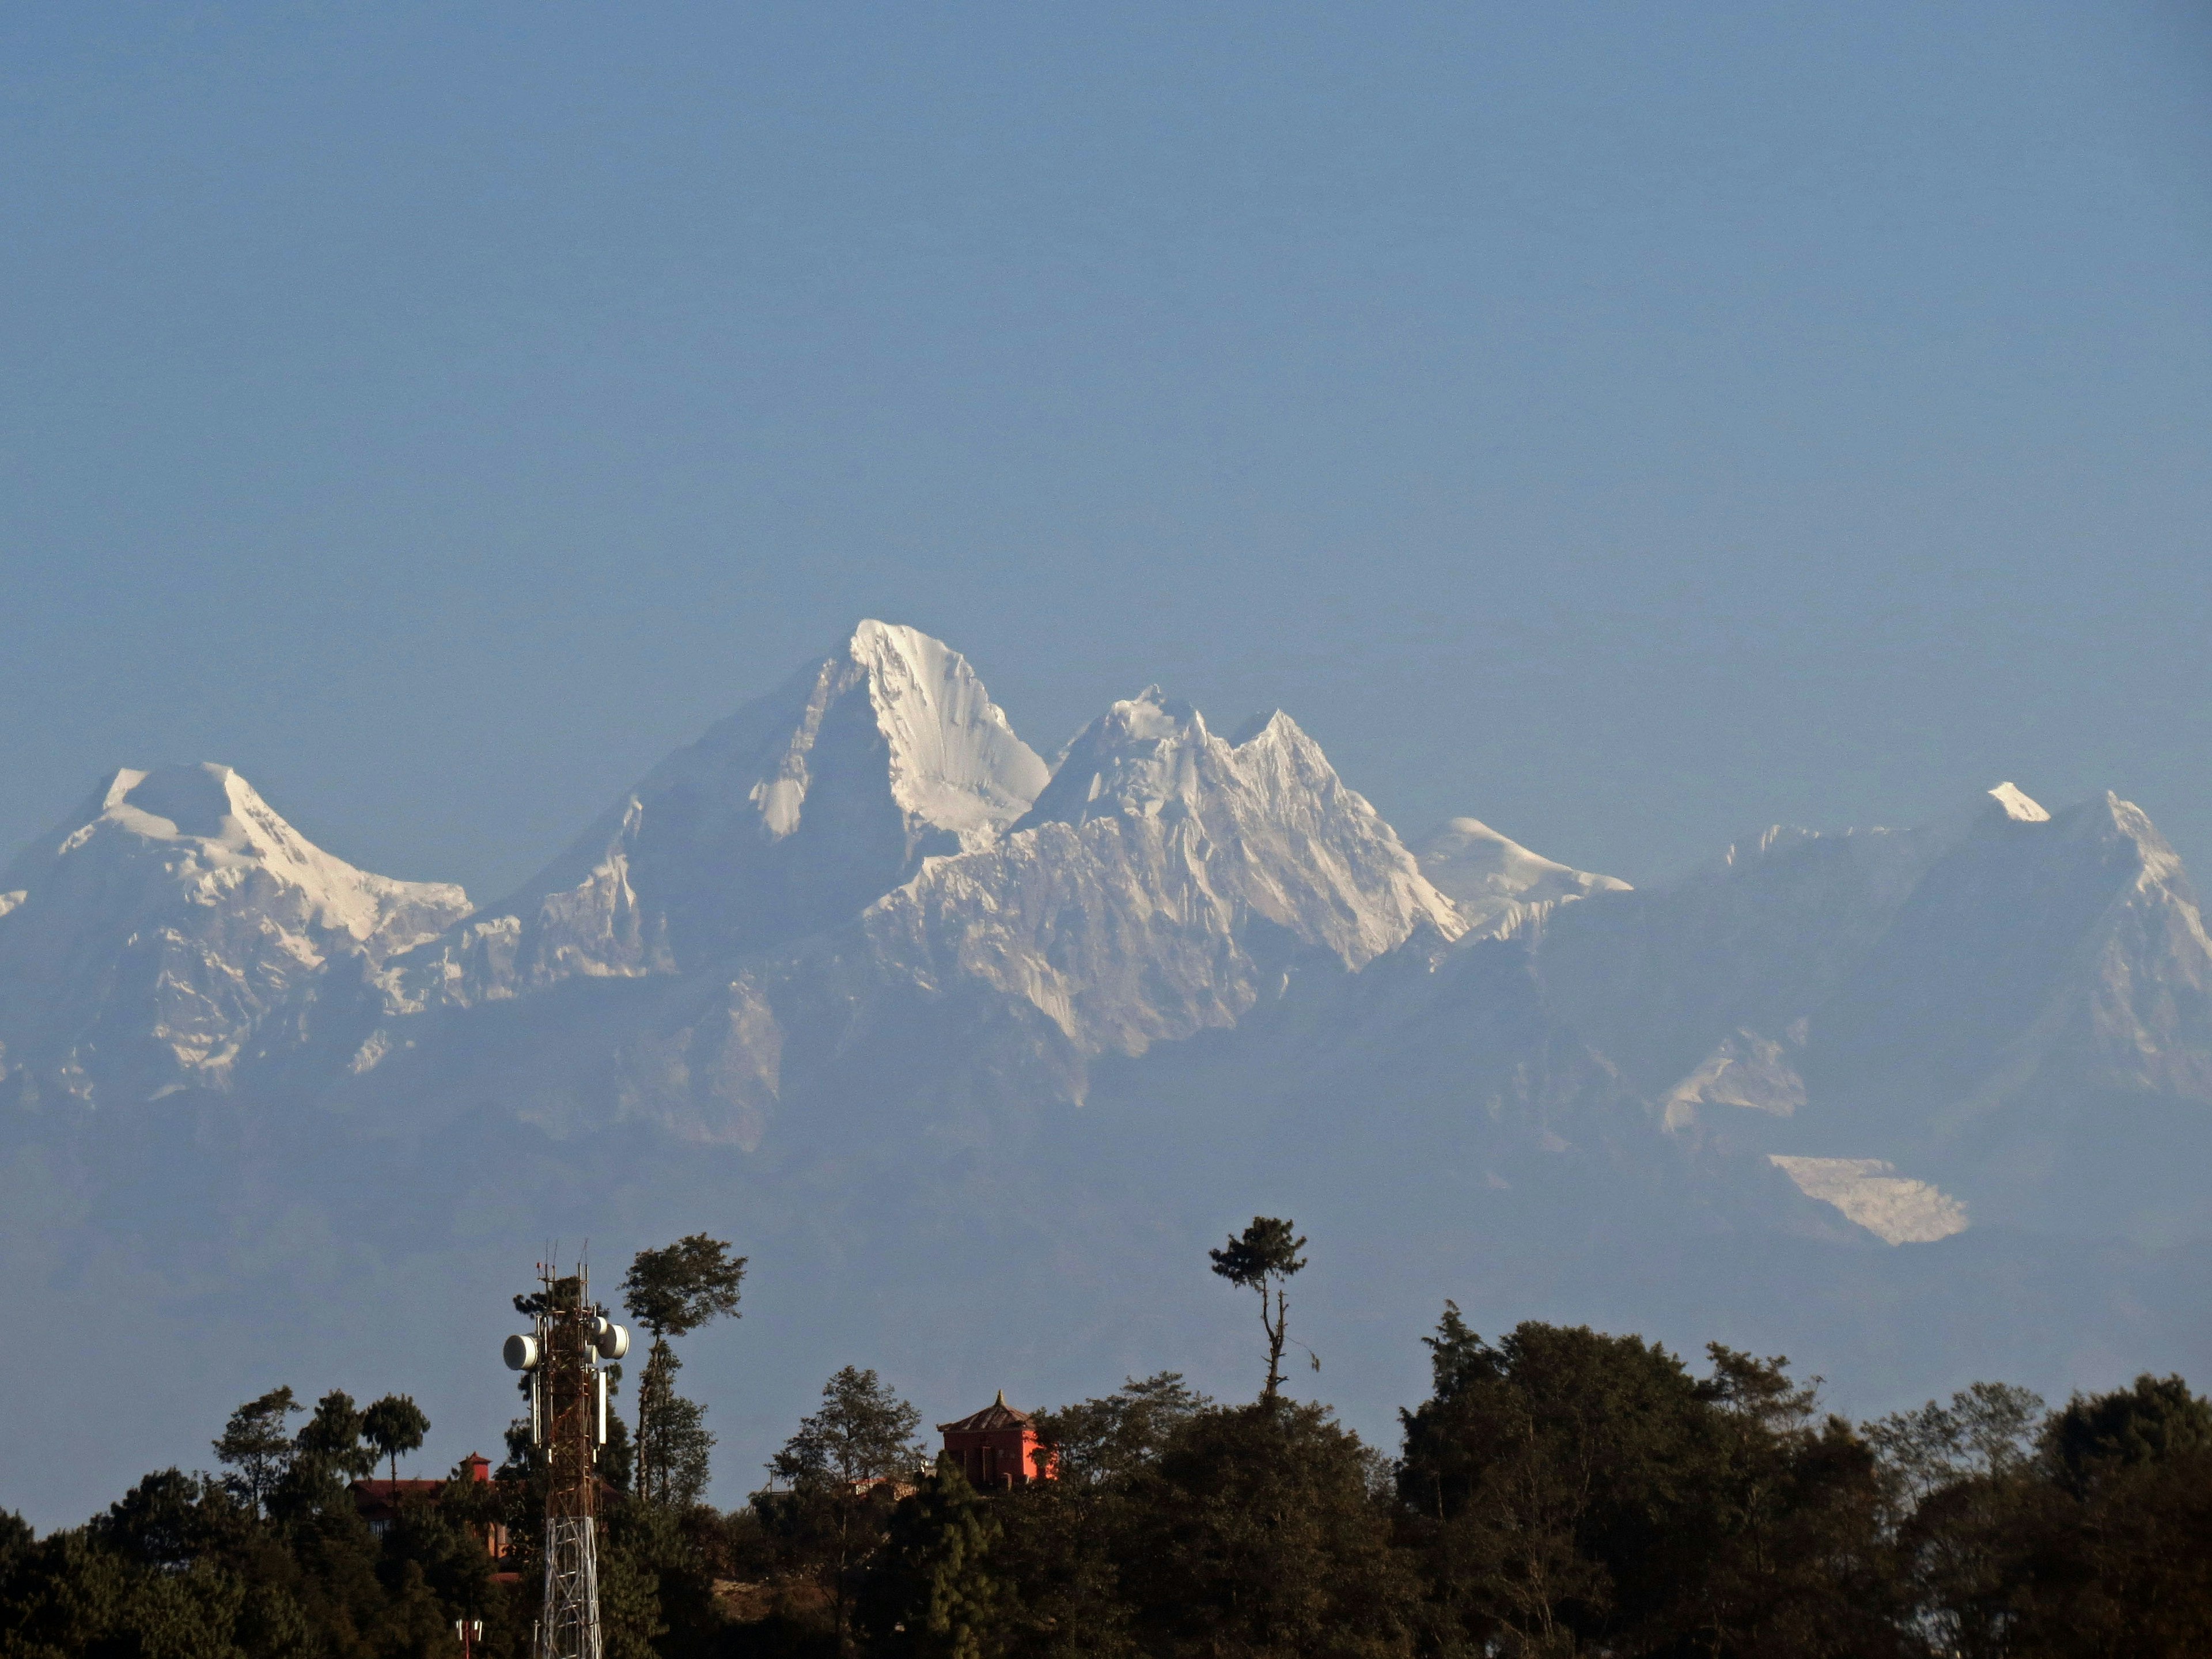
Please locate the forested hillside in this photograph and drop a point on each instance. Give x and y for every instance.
(1559, 1491)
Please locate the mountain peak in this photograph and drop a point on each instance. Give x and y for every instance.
(2014, 803)
(173, 917)
(1142, 754)
(205, 823)
(1165, 882)
(173, 802)
(790, 815)
(1493, 880)
(955, 763)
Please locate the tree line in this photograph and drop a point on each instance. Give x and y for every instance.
(1559, 1491)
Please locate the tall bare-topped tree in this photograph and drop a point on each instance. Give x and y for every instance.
(1263, 1260)
(671, 1292)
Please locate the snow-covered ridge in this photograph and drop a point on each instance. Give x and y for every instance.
(1161, 879)
(955, 761)
(869, 854)
(1496, 884)
(1894, 1208)
(209, 828)
(788, 817)
(173, 918)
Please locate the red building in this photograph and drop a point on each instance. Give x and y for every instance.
(379, 1502)
(998, 1448)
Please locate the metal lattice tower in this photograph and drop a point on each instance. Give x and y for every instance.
(569, 1419)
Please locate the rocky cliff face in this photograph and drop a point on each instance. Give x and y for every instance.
(1163, 881)
(1999, 1001)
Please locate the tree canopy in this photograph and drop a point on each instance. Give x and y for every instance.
(1262, 1259)
(675, 1289)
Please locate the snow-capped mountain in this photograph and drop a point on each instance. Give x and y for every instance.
(2016, 1002)
(2069, 946)
(1497, 884)
(789, 817)
(1164, 881)
(858, 978)
(146, 942)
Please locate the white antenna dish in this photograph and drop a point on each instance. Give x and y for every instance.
(613, 1341)
(520, 1353)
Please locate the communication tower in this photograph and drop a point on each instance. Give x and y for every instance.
(568, 1422)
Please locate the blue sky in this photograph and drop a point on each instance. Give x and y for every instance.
(1628, 423)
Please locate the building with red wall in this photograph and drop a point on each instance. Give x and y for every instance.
(998, 1448)
(381, 1502)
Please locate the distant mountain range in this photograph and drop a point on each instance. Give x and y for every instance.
(972, 1052)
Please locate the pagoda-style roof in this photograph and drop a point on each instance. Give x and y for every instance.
(996, 1415)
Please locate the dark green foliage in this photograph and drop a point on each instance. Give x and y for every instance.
(675, 1290)
(617, 1465)
(2093, 1544)
(1262, 1259)
(1179, 1527)
(1265, 1529)
(840, 1470)
(2156, 1421)
(675, 1429)
(167, 1520)
(394, 1426)
(1988, 1429)
(1560, 1492)
(256, 1445)
(331, 1438)
(863, 1433)
(1570, 1489)
(671, 1292)
(67, 1596)
(930, 1594)
(1060, 1558)
(181, 1565)
(1102, 1442)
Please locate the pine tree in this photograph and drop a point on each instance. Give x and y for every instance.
(672, 1292)
(932, 1595)
(1263, 1259)
(257, 1444)
(395, 1426)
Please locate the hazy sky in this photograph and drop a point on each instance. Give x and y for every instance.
(1628, 423)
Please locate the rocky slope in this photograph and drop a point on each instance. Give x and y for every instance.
(1164, 884)
(2014, 1002)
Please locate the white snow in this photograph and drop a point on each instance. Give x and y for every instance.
(1984, 810)
(955, 761)
(181, 905)
(1136, 901)
(1746, 1070)
(790, 815)
(2017, 807)
(1497, 884)
(1891, 1206)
